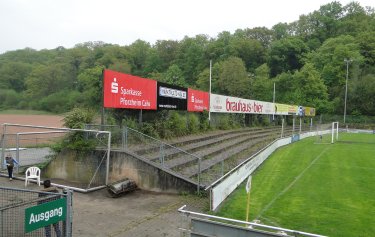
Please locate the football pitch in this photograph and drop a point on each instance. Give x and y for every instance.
(321, 188)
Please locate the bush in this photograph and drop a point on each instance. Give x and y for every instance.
(148, 129)
(177, 124)
(193, 124)
(224, 122)
(78, 117)
(204, 123)
(9, 98)
(59, 102)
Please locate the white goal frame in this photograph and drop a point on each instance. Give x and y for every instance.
(335, 129)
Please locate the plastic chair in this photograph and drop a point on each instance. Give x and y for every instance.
(32, 173)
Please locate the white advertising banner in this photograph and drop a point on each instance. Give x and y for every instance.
(228, 104)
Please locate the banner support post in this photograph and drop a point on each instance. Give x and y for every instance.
(102, 114)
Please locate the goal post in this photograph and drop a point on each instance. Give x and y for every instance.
(335, 132)
(327, 133)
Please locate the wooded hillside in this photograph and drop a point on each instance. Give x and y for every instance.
(305, 60)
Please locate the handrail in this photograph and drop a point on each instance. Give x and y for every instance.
(164, 143)
(189, 213)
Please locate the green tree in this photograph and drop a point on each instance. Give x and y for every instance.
(13, 74)
(262, 34)
(174, 76)
(46, 80)
(90, 84)
(329, 60)
(361, 100)
(139, 52)
(191, 57)
(250, 51)
(233, 78)
(203, 81)
(286, 55)
(262, 86)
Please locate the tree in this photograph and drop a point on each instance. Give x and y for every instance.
(286, 55)
(281, 31)
(366, 42)
(46, 80)
(139, 52)
(329, 60)
(250, 51)
(309, 85)
(13, 74)
(262, 86)
(233, 78)
(191, 57)
(362, 98)
(304, 87)
(167, 52)
(90, 85)
(174, 76)
(203, 81)
(262, 34)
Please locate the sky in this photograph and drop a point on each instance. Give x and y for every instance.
(48, 24)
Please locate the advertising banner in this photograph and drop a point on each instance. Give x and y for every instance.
(228, 104)
(292, 109)
(281, 109)
(127, 91)
(309, 111)
(171, 97)
(198, 101)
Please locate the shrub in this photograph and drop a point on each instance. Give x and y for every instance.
(177, 124)
(78, 117)
(193, 124)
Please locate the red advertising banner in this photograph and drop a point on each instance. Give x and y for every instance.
(198, 101)
(126, 91)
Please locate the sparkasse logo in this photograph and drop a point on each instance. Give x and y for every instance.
(114, 86)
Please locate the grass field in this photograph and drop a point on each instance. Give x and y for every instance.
(326, 189)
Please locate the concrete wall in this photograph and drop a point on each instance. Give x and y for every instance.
(147, 175)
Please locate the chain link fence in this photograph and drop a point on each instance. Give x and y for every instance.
(75, 158)
(34, 213)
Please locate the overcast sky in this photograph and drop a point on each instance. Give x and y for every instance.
(47, 24)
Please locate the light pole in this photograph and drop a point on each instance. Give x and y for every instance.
(346, 84)
(273, 100)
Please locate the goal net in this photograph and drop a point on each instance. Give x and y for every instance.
(327, 133)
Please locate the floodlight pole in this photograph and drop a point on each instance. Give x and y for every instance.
(209, 99)
(274, 92)
(346, 85)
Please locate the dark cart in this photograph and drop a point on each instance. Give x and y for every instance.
(120, 187)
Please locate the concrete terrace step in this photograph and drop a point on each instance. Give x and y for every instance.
(234, 146)
(195, 148)
(206, 164)
(214, 150)
(192, 139)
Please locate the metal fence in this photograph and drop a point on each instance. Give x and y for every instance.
(76, 158)
(202, 167)
(33, 213)
(200, 225)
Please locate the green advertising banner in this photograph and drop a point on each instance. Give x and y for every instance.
(45, 214)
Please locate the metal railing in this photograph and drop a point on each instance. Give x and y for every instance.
(209, 223)
(15, 204)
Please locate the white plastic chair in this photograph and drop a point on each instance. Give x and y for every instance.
(32, 173)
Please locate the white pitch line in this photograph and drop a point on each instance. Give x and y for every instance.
(291, 184)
